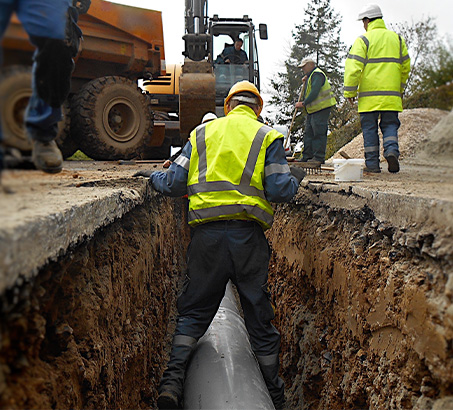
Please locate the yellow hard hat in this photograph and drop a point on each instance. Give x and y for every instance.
(240, 87)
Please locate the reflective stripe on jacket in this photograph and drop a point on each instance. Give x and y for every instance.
(227, 169)
(325, 97)
(377, 69)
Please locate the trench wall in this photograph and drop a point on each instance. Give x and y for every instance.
(90, 329)
(362, 283)
(364, 301)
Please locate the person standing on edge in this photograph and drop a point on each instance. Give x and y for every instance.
(318, 100)
(51, 26)
(377, 69)
(230, 168)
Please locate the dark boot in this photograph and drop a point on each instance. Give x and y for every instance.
(274, 383)
(172, 383)
(47, 156)
(393, 163)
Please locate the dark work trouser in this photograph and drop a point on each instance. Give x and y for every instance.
(315, 136)
(218, 252)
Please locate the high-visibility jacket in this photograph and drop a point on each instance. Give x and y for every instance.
(227, 169)
(325, 97)
(377, 69)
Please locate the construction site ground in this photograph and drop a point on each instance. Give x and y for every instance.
(361, 277)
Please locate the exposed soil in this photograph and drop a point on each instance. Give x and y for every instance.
(90, 330)
(365, 312)
(364, 306)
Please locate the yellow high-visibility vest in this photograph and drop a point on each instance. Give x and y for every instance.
(227, 169)
(325, 97)
(377, 69)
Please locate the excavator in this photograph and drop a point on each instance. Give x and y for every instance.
(107, 115)
(201, 85)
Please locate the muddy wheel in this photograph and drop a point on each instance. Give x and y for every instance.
(15, 91)
(111, 119)
(65, 140)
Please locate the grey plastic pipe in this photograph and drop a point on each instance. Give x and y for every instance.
(223, 373)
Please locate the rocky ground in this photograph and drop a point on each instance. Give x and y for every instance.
(363, 303)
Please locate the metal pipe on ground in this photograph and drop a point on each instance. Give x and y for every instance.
(223, 373)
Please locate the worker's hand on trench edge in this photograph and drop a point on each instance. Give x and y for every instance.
(298, 173)
(144, 173)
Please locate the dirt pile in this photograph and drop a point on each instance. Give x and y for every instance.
(413, 134)
(438, 146)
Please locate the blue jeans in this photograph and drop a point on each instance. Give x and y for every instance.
(315, 136)
(41, 19)
(389, 124)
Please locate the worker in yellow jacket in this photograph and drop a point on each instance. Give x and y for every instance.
(318, 100)
(376, 71)
(231, 168)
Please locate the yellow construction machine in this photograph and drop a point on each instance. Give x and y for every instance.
(107, 115)
(201, 85)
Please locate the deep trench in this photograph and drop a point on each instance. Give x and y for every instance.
(92, 329)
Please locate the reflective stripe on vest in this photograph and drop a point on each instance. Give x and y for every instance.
(324, 99)
(255, 205)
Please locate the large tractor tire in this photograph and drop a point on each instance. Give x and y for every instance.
(65, 140)
(111, 119)
(15, 91)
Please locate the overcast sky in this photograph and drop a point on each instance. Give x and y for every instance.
(281, 18)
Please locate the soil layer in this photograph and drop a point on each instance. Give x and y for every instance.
(364, 308)
(90, 330)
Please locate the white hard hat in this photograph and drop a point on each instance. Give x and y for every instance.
(208, 117)
(306, 61)
(370, 11)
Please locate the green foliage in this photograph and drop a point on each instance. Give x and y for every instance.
(317, 37)
(346, 132)
(440, 97)
(421, 39)
(437, 70)
(79, 156)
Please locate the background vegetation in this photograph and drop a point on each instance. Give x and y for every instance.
(430, 83)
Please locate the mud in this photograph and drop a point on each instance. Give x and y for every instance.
(90, 330)
(364, 307)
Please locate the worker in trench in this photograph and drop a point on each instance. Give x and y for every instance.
(318, 100)
(231, 168)
(52, 28)
(376, 70)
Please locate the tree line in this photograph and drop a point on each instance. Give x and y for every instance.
(318, 37)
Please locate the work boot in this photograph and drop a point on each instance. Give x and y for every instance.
(314, 162)
(47, 157)
(392, 161)
(274, 383)
(372, 170)
(172, 383)
(168, 400)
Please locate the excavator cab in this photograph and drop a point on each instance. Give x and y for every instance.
(224, 32)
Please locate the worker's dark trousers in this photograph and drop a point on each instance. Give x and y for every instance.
(220, 251)
(315, 136)
(389, 125)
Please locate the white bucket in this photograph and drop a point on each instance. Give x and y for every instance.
(348, 169)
